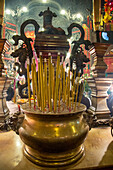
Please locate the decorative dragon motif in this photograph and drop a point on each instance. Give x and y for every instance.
(24, 52)
(78, 59)
(77, 55)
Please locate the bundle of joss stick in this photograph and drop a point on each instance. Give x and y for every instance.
(51, 87)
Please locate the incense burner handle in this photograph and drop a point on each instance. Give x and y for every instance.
(90, 119)
(111, 125)
(15, 121)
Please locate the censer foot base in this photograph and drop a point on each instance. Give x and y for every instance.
(54, 159)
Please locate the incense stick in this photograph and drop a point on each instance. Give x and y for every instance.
(57, 83)
(28, 81)
(35, 80)
(45, 80)
(39, 103)
(49, 84)
(41, 84)
(60, 84)
(49, 88)
(33, 85)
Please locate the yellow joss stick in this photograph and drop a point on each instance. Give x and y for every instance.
(59, 99)
(33, 84)
(63, 85)
(59, 91)
(68, 87)
(77, 89)
(69, 93)
(45, 82)
(61, 79)
(53, 81)
(72, 82)
(49, 85)
(43, 86)
(44, 95)
(28, 81)
(73, 91)
(39, 82)
(35, 80)
(56, 83)
(62, 74)
(60, 88)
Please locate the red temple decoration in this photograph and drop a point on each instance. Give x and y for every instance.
(108, 17)
(108, 58)
(87, 37)
(31, 34)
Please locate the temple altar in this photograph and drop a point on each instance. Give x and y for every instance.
(98, 152)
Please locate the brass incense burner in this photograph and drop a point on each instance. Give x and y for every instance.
(54, 139)
(54, 128)
(54, 135)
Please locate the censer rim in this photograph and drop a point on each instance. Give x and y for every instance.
(26, 109)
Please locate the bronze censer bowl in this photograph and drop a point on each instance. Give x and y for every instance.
(54, 139)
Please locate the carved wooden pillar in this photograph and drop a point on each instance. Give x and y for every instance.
(4, 84)
(97, 53)
(96, 14)
(2, 4)
(1, 50)
(99, 84)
